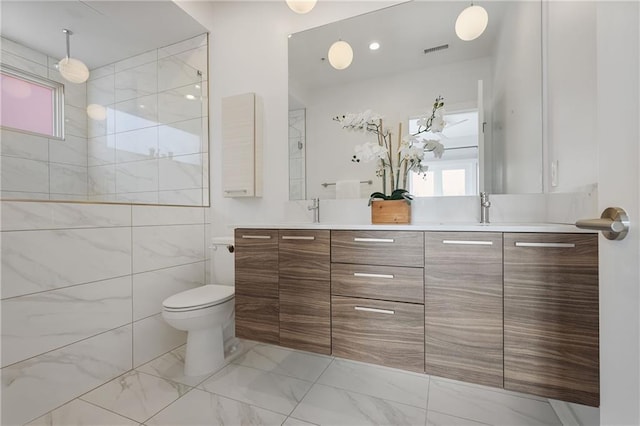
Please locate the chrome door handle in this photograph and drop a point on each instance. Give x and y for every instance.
(614, 223)
(256, 237)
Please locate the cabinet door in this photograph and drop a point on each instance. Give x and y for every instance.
(256, 269)
(551, 316)
(380, 332)
(241, 146)
(463, 306)
(305, 300)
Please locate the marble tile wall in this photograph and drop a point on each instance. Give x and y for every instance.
(36, 167)
(82, 287)
(152, 147)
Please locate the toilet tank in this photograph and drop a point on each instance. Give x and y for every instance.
(221, 262)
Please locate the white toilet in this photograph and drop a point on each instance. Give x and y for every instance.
(203, 312)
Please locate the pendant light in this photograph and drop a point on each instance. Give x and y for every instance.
(471, 22)
(340, 55)
(70, 68)
(301, 6)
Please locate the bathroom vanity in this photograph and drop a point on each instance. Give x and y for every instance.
(513, 307)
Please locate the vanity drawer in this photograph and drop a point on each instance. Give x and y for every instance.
(402, 284)
(392, 248)
(380, 332)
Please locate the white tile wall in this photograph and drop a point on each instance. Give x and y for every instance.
(143, 96)
(71, 150)
(156, 247)
(151, 288)
(139, 176)
(34, 261)
(181, 172)
(137, 145)
(152, 336)
(135, 82)
(17, 144)
(24, 175)
(74, 313)
(68, 179)
(35, 386)
(34, 322)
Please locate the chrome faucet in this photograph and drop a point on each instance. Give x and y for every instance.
(484, 207)
(315, 206)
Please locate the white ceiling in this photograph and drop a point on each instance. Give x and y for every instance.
(403, 31)
(104, 31)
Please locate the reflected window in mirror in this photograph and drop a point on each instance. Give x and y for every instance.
(457, 172)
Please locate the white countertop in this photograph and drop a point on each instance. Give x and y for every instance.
(463, 226)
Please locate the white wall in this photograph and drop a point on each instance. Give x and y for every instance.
(571, 94)
(516, 102)
(82, 291)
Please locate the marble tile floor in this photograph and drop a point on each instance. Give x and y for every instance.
(270, 385)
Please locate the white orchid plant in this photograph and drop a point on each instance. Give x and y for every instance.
(409, 153)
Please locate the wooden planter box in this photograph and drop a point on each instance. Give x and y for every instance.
(390, 211)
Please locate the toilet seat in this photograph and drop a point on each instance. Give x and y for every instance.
(202, 297)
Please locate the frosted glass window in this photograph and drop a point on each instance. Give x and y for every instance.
(30, 103)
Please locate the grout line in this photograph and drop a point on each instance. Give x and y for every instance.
(133, 341)
(69, 344)
(101, 407)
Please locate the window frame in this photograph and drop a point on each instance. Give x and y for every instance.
(57, 100)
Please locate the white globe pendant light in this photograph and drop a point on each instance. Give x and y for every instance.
(301, 6)
(471, 23)
(72, 69)
(340, 55)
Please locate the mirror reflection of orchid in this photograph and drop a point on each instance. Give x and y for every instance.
(408, 154)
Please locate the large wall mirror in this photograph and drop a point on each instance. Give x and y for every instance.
(135, 132)
(492, 89)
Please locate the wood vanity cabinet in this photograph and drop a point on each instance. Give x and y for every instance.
(304, 293)
(257, 294)
(551, 316)
(377, 302)
(463, 306)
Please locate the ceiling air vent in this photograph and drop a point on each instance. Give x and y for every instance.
(435, 49)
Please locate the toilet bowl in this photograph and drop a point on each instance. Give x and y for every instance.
(201, 312)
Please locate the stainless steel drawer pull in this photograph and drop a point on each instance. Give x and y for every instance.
(256, 237)
(376, 310)
(233, 191)
(364, 274)
(297, 237)
(468, 243)
(373, 240)
(554, 245)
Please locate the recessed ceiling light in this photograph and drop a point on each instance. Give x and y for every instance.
(374, 45)
(190, 97)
